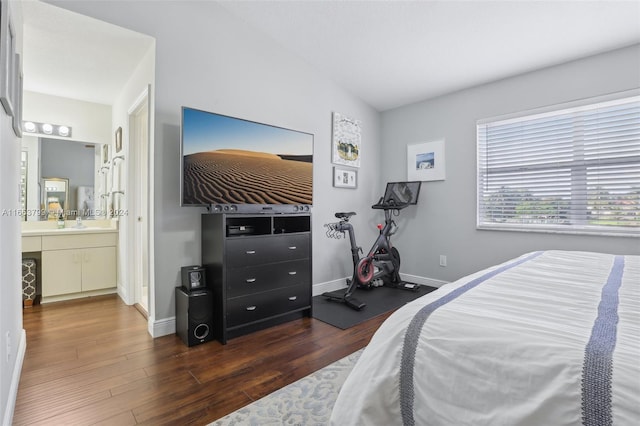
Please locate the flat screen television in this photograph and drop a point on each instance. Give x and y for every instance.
(235, 165)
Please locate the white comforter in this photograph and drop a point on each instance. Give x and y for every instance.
(515, 344)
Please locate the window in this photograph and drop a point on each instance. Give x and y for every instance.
(575, 169)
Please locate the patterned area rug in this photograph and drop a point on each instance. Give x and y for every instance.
(308, 401)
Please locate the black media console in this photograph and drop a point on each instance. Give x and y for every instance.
(259, 269)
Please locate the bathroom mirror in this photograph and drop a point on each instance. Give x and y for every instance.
(76, 161)
(55, 196)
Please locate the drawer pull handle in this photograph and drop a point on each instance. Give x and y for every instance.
(251, 280)
(251, 252)
(293, 248)
(292, 298)
(251, 308)
(292, 272)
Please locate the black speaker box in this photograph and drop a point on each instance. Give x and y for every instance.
(194, 316)
(193, 278)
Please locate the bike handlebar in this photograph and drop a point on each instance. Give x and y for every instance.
(389, 205)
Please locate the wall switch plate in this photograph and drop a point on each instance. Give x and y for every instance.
(443, 260)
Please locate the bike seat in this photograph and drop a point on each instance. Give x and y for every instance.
(345, 215)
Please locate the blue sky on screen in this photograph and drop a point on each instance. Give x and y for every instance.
(204, 131)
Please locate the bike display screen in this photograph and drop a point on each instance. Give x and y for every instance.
(402, 193)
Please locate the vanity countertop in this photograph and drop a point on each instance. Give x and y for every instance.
(50, 228)
(68, 231)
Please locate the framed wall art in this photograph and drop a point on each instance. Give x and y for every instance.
(345, 178)
(346, 140)
(7, 58)
(119, 139)
(105, 154)
(425, 161)
(16, 96)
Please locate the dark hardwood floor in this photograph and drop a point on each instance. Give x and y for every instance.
(92, 361)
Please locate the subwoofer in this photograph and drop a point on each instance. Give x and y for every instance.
(193, 278)
(194, 316)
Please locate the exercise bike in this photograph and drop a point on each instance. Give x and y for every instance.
(381, 265)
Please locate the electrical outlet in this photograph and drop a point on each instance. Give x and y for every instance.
(443, 260)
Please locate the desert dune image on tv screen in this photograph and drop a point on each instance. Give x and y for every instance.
(233, 161)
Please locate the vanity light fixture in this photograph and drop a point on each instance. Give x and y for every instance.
(63, 130)
(46, 128)
(30, 127)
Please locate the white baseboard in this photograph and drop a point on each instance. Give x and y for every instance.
(318, 289)
(81, 295)
(124, 294)
(432, 282)
(15, 380)
(161, 327)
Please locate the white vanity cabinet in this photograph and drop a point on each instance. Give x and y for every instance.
(78, 263)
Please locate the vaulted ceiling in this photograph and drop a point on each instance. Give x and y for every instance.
(388, 53)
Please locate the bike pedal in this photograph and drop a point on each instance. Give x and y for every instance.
(354, 303)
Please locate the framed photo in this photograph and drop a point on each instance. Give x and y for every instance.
(7, 58)
(105, 153)
(425, 161)
(16, 96)
(346, 140)
(345, 178)
(119, 139)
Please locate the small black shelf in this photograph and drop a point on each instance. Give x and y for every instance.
(238, 226)
(290, 224)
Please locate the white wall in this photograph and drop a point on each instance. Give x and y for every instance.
(207, 59)
(445, 220)
(12, 338)
(11, 334)
(141, 78)
(89, 121)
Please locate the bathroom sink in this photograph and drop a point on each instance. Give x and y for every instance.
(82, 228)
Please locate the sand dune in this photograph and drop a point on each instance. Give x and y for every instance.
(239, 177)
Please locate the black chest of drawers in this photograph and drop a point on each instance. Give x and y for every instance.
(259, 269)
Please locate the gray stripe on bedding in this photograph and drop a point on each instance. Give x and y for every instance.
(598, 355)
(410, 343)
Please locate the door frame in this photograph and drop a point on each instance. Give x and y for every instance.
(132, 217)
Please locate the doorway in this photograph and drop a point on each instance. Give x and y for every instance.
(93, 77)
(139, 201)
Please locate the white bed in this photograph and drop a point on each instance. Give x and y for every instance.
(548, 338)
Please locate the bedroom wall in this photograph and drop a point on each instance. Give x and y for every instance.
(139, 80)
(445, 220)
(207, 59)
(12, 337)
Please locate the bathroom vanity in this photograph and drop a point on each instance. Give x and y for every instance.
(74, 262)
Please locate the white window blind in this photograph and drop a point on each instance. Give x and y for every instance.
(571, 170)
